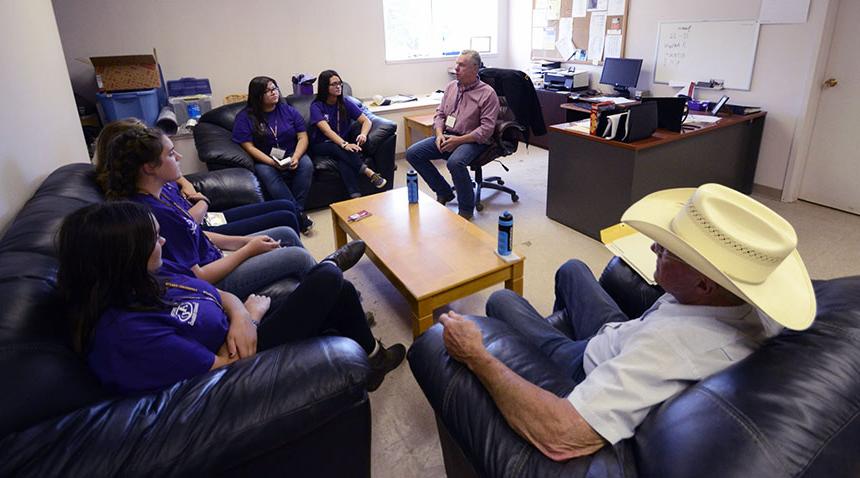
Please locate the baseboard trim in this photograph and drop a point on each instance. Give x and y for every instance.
(767, 192)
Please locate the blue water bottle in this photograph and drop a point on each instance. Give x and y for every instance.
(506, 233)
(412, 186)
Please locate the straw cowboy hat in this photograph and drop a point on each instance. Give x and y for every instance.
(734, 240)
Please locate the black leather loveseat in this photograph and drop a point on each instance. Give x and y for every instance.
(215, 147)
(284, 412)
(791, 409)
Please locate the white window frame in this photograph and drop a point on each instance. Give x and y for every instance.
(450, 56)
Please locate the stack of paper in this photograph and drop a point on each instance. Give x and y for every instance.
(633, 248)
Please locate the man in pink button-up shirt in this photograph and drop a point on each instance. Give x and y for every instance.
(464, 125)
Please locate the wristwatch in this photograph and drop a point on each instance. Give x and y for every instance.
(343, 145)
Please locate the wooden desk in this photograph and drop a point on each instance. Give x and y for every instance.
(422, 123)
(431, 254)
(591, 181)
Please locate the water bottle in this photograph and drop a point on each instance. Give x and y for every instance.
(506, 233)
(412, 186)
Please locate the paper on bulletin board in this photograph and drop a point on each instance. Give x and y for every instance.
(565, 28)
(537, 38)
(578, 8)
(615, 7)
(783, 11)
(596, 35)
(596, 5)
(553, 10)
(566, 47)
(548, 38)
(612, 46)
(539, 18)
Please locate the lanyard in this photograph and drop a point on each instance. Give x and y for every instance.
(206, 294)
(461, 93)
(275, 135)
(169, 202)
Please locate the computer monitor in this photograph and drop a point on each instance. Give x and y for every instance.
(622, 73)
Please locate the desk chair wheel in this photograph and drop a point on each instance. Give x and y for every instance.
(501, 182)
(514, 198)
(479, 207)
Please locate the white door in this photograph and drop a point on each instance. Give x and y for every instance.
(832, 175)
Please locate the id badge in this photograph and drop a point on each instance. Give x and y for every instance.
(449, 121)
(278, 153)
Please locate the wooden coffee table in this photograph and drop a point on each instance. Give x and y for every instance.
(431, 254)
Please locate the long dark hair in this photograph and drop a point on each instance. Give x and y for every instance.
(104, 250)
(322, 94)
(256, 91)
(126, 154)
(108, 133)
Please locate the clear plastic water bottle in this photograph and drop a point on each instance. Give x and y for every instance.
(506, 233)
(412, 186)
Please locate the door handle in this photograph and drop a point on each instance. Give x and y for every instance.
(830, 82)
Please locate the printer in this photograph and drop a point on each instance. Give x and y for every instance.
(562, 79)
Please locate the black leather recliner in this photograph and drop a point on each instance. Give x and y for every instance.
(791, 409)
(215, 147)
(282, 412)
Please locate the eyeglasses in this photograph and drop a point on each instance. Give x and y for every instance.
(269, 91)
(335, 84)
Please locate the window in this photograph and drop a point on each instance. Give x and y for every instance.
(416, 29)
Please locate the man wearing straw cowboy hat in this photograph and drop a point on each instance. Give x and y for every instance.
(732, 277)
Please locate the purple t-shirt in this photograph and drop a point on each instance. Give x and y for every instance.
(186, 244)
(321, 111)
(283, 124)
(136, 351)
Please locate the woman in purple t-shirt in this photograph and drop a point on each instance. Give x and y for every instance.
(274, 134)
(145, 323)
(330, 119)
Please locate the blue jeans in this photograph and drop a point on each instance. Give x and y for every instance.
(585, 304)
(289, 260)
(349, 164)
(286, 184)
(421, 153)
(251, 218)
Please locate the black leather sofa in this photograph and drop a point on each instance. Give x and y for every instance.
(283, 412)
(791, 409)
(215, 147)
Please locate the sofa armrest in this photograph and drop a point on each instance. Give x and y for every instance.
(206, 425)
(471, 418)
(216, 148)
(632, 294)
(228, 188)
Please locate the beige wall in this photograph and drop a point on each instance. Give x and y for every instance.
(229, 42)
(784, 63)
(40, 127)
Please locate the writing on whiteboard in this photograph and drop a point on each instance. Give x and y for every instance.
(675, 46)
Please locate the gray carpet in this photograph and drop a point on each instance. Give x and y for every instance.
(405, 442)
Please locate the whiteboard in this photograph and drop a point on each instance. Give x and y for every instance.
(707, 50)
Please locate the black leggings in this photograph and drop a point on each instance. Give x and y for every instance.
(323, 301)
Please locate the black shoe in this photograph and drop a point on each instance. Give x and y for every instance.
(466, 215)
(305, 223)
(385, 360)
(445, 199)
(347, 256)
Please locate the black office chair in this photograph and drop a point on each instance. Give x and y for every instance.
(519, 111)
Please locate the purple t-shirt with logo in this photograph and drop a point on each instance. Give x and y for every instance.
(321, 111)
(283, 124)
(186, 244)
(135, 351)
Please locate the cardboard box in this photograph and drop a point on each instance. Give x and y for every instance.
(127, 72)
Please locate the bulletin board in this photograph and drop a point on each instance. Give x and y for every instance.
(553, 22)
